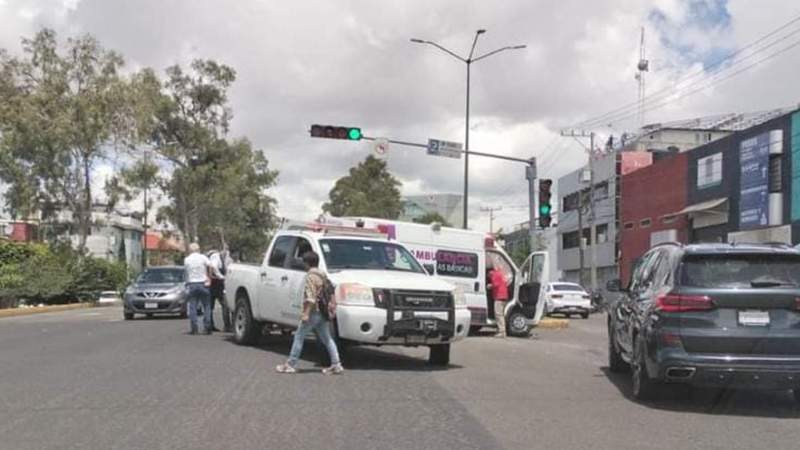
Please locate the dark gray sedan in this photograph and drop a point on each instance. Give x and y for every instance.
(157, 290)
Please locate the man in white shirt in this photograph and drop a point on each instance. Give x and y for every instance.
(219, 264)
(197, 268)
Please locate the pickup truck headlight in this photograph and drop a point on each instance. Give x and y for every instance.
(354, 294)
(459, 297)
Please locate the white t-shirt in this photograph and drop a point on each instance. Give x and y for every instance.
(196, 266)
(216, 266)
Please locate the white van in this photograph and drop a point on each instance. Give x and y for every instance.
(460, 257)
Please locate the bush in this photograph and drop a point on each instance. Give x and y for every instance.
(37, 273)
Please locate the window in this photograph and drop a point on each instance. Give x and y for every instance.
(301, 248)
(282, 247)
(456, 264)
(570, 240)
(571, 202)
(601, 191)
(602, 233)
(720, 271)
(709, 171)
(775, 172)
(351, 254)
(645, 223)
(628, 225)
(668, 219)
(708, 137)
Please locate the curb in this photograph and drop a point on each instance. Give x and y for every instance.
(553, 324)
(13, 312)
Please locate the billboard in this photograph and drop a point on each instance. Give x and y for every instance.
(795, 140)
(754, 182)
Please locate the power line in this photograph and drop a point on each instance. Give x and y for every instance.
(703, 71)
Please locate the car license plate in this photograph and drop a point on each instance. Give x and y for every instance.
(151, 305)
(415, 339)
(428, 325)
(754, 318)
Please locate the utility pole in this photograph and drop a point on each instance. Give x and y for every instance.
(144, 220)
(491, 211)
(530, 175)
(581, 202)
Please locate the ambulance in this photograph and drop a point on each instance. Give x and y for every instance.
(460, 257)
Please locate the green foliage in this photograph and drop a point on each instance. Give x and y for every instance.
(56, 274)
(368, 190)
(433, 217)
(60, 112)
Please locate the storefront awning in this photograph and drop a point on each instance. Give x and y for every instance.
(705, 207)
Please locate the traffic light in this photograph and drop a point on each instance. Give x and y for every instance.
(545, 207)
(332, 132)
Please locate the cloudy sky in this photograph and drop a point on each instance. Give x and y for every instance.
(350, 62)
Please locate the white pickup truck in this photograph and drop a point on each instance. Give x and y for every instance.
(383, 293)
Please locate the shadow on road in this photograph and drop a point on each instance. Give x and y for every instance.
(355, 358)
(728, 402)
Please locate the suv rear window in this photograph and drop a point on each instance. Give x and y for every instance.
(727, 270)
(567, 287)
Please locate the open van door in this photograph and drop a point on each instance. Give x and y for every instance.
(534, 273)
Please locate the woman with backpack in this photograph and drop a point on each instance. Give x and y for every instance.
(318, 308)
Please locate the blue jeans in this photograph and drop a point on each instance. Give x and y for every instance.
(198, 293)
(323, 329)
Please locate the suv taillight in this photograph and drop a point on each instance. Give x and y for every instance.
(683, 303)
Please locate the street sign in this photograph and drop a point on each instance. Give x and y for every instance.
(381, 147)
(444, 148)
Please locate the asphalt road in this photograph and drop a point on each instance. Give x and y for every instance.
(86, 379)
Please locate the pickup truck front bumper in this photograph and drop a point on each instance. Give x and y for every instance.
(377, 326)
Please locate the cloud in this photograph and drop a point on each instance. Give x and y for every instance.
(350, 62)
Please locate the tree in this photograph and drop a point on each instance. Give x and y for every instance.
(60, 113)
(432, 217)
(368, 190)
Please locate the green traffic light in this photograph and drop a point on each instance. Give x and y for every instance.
(354, 134)
(544, 210)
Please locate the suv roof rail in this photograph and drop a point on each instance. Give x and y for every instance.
(774, 244)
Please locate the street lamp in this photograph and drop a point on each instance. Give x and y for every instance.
(468, 60)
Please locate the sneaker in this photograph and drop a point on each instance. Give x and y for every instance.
(500, 335)
(285, 368)
(333, 370)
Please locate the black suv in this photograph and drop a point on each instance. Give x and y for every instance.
(710, 315)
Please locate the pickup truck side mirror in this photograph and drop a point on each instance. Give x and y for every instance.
(615, 285)
(297, 264)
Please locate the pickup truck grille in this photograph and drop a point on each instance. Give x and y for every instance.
(407, 299)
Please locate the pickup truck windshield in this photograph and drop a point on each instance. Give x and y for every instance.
(161, 276)
(341, 254)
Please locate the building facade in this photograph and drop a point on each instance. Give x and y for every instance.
(449, 206)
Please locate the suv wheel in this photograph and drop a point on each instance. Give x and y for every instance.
(245, 331)
(128, 315)
(643, 386)
(440, 355)
(518, 324)
(615, 362)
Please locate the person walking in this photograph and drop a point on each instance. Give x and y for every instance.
(197, 267)
(312, 319)
(217, 290)
(499, 287)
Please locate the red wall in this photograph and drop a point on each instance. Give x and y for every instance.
(651, 192)
(23, 232)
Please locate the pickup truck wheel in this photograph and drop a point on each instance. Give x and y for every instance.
(518, 324)
(245, 331)
(440, 355)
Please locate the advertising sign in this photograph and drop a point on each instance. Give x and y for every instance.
(709, 171)
(754, 182)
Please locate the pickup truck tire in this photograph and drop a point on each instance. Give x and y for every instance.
(245, 328)
(440, 355)
(517, 324)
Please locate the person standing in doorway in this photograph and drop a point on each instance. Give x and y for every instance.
(198, 281)
(313, 319)
(499, 287)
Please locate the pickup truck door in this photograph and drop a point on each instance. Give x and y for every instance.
(273, 277)
(534, 275)
(292, 306)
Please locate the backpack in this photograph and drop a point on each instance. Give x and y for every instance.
(325, 299)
